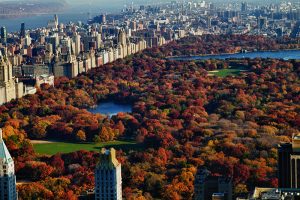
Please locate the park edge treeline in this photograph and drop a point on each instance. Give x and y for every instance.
(223, 44)
(184, 118)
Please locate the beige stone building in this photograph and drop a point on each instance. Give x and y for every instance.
(10, 87)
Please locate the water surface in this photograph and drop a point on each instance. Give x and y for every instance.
(283, 54)
(111, 108)
(38, 21)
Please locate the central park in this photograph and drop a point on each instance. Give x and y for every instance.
(227, 115)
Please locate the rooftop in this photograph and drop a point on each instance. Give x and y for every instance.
(108, 159)
(296, 142)
(4, 153)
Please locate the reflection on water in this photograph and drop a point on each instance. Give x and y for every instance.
(111, 108)
(284, 54)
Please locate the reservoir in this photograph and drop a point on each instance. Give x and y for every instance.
(283, 54)
(111, 108)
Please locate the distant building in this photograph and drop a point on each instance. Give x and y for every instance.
(7, 173)
(273, 194)
(244, 7)
(289, 163)
(45, 79)
(103, 19)
(262, 22)
(22, 31)
(35, 70)
(122, 39)
(3, 35)
(10, 87)
(208, 187)
(108, 180)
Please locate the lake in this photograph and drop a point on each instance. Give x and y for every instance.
(283, 54)
(111, 108)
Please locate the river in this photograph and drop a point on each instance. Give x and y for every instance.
(283, 54)
(37, 21)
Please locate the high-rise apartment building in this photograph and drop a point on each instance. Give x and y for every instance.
(108, 179)
(262, 22)
(22, 31)
(77, 42)
(208, 187)
(102, 19)
(3, 35)
(7, 174)
(10, 88)
(244, 7)
(289, 163)
(122, 37)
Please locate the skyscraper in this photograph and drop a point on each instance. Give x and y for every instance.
(262, 22)
(56, 19)
(77, 42)
(102, 19)
(7, 173)
(244, 7)
(22, 32)
(108, 179)
(10, 88)
(3, 35)
(289, 163)
(209, 187)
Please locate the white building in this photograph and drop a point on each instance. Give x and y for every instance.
(108, 179)
(7, 173)
(77, 41)
(53, 24)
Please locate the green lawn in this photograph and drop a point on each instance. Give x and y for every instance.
(65, 147)
(227, 72)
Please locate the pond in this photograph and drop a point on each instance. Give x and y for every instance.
(282, 54)
(111, 108)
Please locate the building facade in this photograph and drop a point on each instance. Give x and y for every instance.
(108, 179)
(208, 187)
(289, 163)
(7, 174)
(10, 88)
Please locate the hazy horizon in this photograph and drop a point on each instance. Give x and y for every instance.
(113, 6)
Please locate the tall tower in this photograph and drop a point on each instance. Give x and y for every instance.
(56, 21)
(22, 32)
(122, 37)
(56, 18)
(7, 174)
(295, 162)
(77, 41)
(108, 179)
(3, 35)
(244, 7)
(103, 19)
(5, 71)
(289, 163)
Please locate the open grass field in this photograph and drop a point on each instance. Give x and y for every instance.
(227, 72)
(51, 148)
